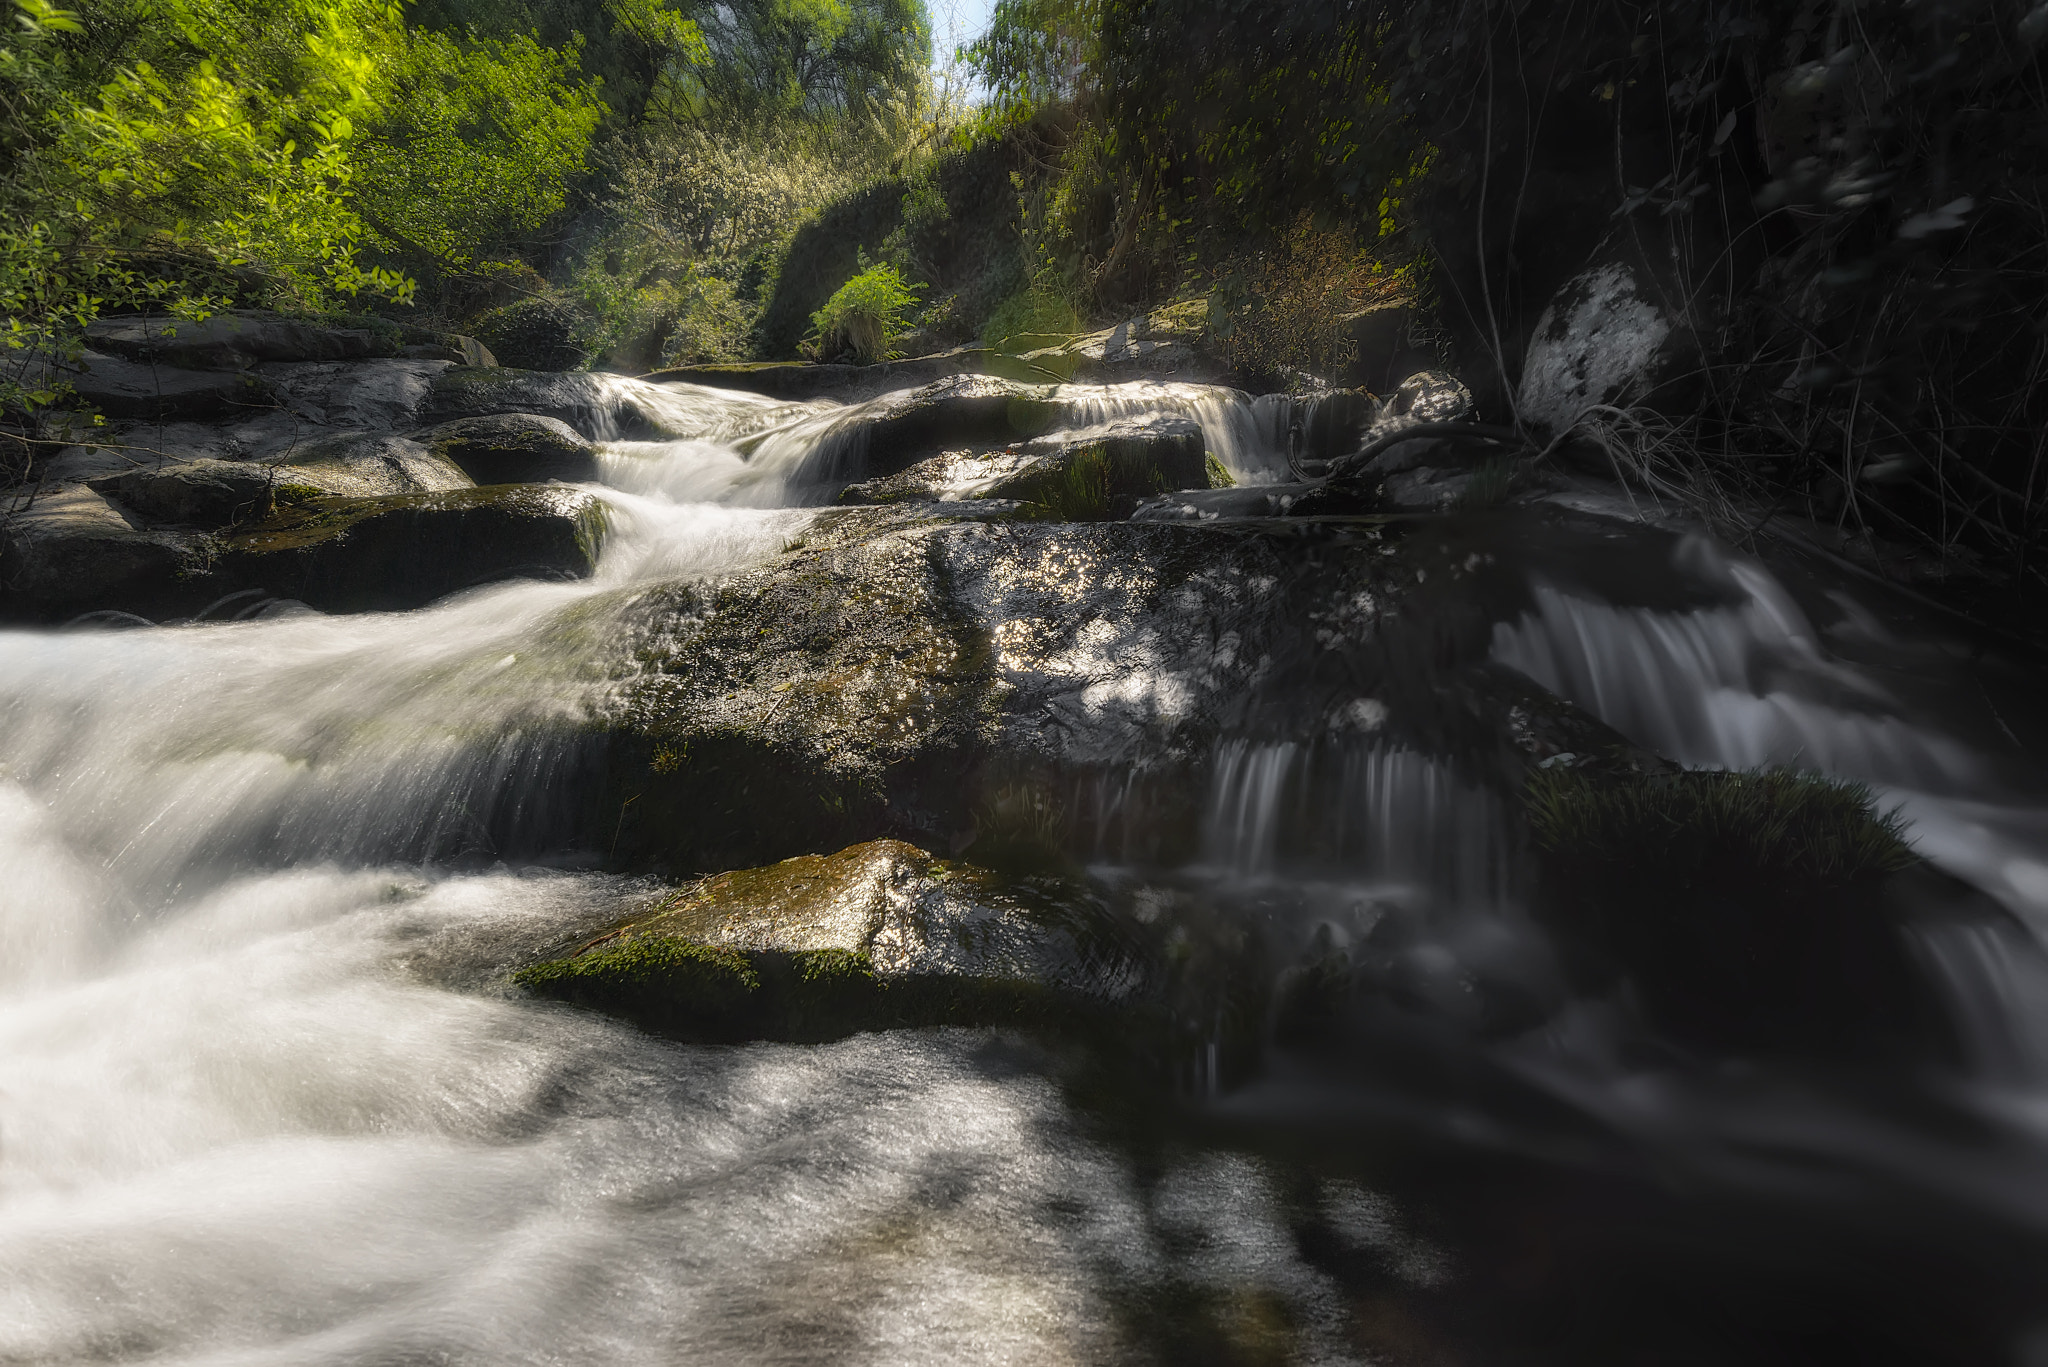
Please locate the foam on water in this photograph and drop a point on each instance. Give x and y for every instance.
(245, 1120)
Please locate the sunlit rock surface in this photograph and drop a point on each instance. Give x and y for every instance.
(876, 935)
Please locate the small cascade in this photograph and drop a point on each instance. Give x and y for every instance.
(1249, 436)
(1748, 684)
(1392, 817)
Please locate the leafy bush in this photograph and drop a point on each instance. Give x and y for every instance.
(534, 334)
(865, 314)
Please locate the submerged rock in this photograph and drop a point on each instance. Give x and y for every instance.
(197, 493)
(877, 935)
(513, 448)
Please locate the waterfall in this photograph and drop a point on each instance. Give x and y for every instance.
(1388, 816)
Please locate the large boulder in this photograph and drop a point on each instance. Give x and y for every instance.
(877, 935)
(513, 448)
(1604, 340)
(921, 677)
(236, 340)
(376, 395)
(899, 430)
(601, 407)
(403, 551)
(72, 553)
(197, 493)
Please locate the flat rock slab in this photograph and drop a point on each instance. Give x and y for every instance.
(73, 553)
(198, 493)
(403, 551)
(878, 935)
(158, 393)
(235, 340)
(513, 448)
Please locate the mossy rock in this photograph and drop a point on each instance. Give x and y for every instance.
(876, 936)
(1751, 911)
(1106, 476)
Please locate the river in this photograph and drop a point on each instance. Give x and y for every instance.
(264, 1097)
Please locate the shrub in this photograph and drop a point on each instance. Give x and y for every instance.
(865, 314)
(533, 334)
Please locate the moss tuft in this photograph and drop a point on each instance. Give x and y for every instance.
(1770, 827)
(1219, 473)
(709, 978)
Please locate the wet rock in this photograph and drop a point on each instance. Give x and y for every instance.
(72, 553)
(898, 674)
(157, 393)
(1604, 340)
(235, 340)
(875, 936)
(594, 405)
(1426, 396)
(1326, 426)
(403, 551)
(365, 465)
(1748, 911)
(965, 410)
(1068, 477)
(513, 448)
(1136, 349)
(803, 380)
(199, 493)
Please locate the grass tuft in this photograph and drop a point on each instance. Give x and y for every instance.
(1769, 827)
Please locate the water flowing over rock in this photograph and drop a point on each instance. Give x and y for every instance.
(1227, 814)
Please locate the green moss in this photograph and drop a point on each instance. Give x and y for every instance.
(1219, 474)
(714, 976)
(1771, 827)
(298, 493)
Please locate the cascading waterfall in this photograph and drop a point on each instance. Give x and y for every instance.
(1749, 684)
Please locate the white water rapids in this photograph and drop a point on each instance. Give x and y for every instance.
(236, 1128)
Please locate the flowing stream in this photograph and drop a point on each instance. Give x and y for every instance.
(241, 1122)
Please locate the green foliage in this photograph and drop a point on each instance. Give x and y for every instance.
(1771, 828)
(533, 334)
(472, 143)
(866, 313)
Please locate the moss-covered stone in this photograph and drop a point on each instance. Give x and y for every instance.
(875, 936)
